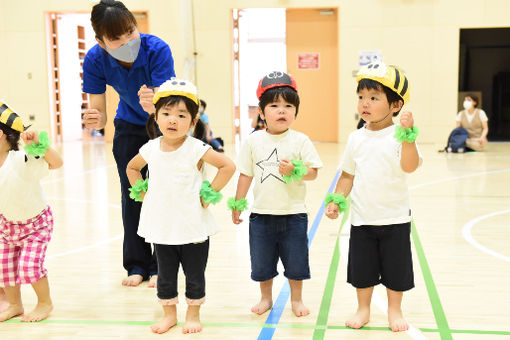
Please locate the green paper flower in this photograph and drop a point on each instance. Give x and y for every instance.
(40, 148)
(139, 186)
(338, 199)
(238, 205)
(409, 135)
(297, 173)
(208, 194)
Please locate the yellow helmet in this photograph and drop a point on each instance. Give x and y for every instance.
(177, 87)
(390, 76)
(10, 118)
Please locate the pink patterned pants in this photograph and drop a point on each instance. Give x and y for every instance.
(23, 248)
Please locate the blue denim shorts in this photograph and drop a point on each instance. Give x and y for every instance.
(279, 236)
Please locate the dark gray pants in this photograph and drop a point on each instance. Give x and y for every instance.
(193, 258)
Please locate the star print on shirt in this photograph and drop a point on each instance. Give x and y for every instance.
(269, 167)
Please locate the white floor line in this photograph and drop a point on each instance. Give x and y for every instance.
(455, 178)
(53, 180)
(466, 232)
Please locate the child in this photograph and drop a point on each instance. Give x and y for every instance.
(375, 162)
(174, 215)
(26, 220)
(279, 159)
(216, 143)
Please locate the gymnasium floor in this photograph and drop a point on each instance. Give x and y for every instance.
(461, 205)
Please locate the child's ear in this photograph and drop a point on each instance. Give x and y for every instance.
(397, 106)
(260, 113)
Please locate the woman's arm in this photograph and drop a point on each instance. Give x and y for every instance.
(95, 116)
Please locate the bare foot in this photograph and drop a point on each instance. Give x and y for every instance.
(132, 280)
(262, 307)
(397, 321)
(164, 324)
(10, 312)
(359, 319)
(299, 308)
(3, 306)
(153, 282)
(40, 312)
(192, 324)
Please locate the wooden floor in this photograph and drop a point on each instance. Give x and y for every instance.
(461, 205)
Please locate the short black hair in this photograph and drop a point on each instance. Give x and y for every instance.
(111, 19)
(12, 136)
(391, 95)
(287, 93)
(203, 103)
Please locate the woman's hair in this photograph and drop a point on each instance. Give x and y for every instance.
(152, 126)
(474, 97)
(111, 19)
(391, 95)
(12, 136)
(287, 93)
(203, 103)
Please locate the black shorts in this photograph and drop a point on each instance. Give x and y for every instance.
(381, 254)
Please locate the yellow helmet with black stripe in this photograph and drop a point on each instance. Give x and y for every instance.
(177, 87)
(390, 76)
(10, 118)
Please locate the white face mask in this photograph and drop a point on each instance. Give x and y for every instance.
(467, 104)
(127, 52)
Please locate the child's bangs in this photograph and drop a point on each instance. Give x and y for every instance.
(117, 23)
(369, 84)
(286, 93)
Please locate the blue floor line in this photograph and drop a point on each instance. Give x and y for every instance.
(267, 333)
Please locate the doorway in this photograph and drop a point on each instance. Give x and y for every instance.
(484, 68)
(287, 42)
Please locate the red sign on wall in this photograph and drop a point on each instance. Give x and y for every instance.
(308, 61)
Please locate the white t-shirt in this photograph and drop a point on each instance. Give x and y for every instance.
(171, 211)
(260, 157)
(21, 194)
(379, 194)
(483, 116)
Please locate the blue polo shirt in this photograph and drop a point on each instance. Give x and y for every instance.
(152, 67)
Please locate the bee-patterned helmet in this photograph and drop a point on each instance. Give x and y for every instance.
(10, 118)
(177, 87)
(390, 76)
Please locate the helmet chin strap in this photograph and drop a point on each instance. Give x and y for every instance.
(381, 119)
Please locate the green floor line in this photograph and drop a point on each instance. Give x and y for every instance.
(322, 318)
(444, 330)
(252, 325)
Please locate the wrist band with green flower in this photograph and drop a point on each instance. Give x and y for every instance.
(208, 194)
(40, 148)
(297, 173)
(409, 135)
(238, 205)
(137, 188)
(338, 199)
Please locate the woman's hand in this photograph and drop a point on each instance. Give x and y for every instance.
(146, 96)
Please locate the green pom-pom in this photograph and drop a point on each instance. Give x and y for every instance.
(208, 194)
(238, 205)
(338, 199)
(409, 135)
(139, 186)
(40, 148)
(297, 173)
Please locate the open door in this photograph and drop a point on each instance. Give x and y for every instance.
(312, 58)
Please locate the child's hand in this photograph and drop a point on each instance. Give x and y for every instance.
(236, 217)
(204, 205)
(285, 167)
(332, 210)
(406, 119)
(30, 137)
(146, 95)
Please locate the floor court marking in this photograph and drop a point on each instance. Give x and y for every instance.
(466, 232)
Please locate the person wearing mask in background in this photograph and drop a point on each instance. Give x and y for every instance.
(475, 121)
(132, 63)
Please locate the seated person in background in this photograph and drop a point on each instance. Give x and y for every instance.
(216, 143)
(475, 121)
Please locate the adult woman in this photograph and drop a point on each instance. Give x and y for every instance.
(131, 63)
(474, 120)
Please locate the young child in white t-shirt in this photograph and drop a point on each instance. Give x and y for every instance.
(278, 160)
(174, 215)
(26, 219)
(374, 166)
